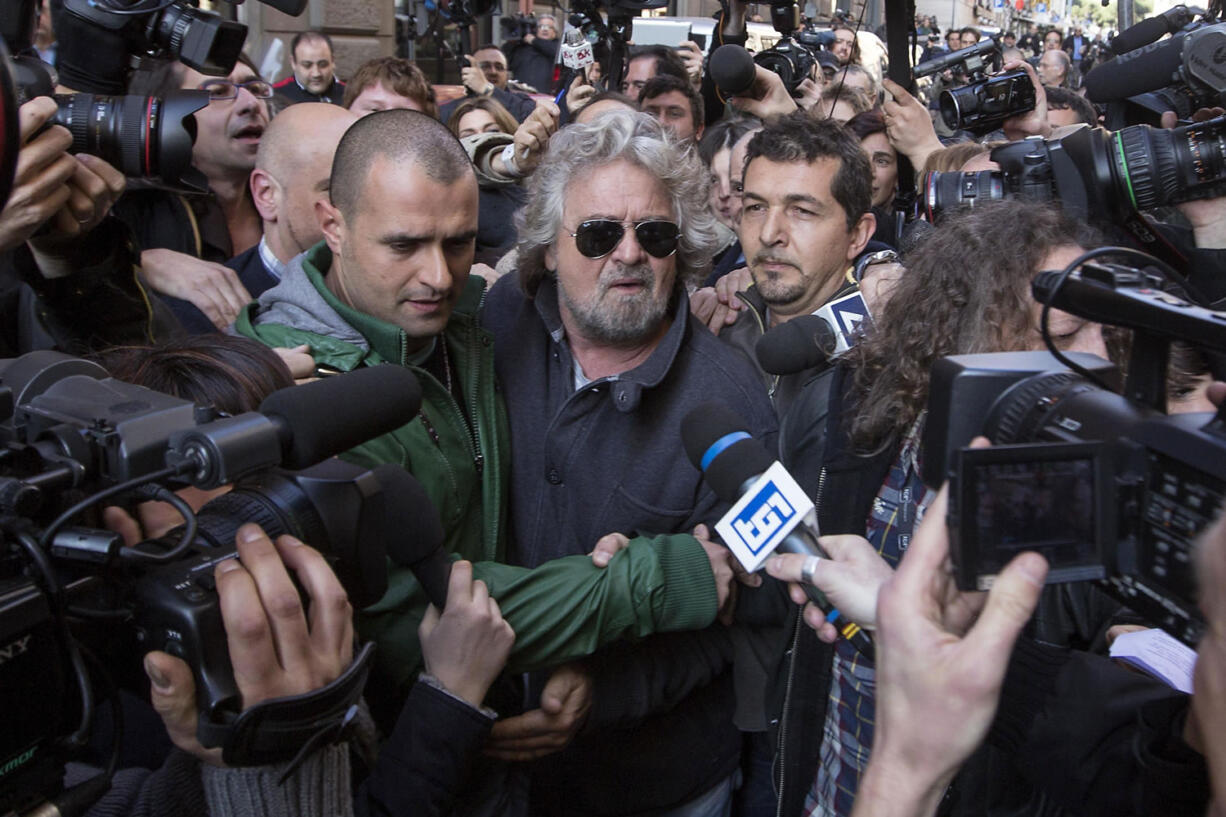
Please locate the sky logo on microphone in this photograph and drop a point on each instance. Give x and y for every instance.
(763, 517)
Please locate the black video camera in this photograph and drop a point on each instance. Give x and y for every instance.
(143, 137)
(1096, 174)
(71, 440)
(985, 101)
(1105, 485)
(1182, 73)
(795, 54)
(515, 28)
(101, 39)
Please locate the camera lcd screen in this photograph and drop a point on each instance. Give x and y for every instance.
(1032, 497)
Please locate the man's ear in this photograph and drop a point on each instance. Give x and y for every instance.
(331, 223)
(860, 234)
(551, 258)
(265, 193)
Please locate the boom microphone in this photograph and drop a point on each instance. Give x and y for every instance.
(732, 69)
(1150, 29)
(1137, 72)
(802, 343)
(420, 547)
(770, 512)
(330, 416)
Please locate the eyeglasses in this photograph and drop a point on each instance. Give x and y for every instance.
(598, 237)
(225, 89)
(491, 66)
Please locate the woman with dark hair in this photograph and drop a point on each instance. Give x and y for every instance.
(852, 437)
(232, 374)
(869, 128)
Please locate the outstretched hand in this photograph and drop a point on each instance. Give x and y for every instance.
(939, 675)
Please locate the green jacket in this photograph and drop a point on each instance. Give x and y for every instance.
(564, 609)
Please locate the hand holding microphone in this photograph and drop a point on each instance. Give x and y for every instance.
(770, 512)
(850, 578)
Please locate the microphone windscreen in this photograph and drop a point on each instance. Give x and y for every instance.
(1139, 35)
(799, 344)
(728, 469)
(732, 69)
(330, 416)
(1137, 72)
(417, 533)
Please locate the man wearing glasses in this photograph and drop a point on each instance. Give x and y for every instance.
(486, 75)
(186, 238)
(599, 361)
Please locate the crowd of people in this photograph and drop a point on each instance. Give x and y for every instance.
(569, 278)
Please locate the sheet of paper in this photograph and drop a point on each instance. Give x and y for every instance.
(1158, 654)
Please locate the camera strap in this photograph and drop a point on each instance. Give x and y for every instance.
(289, 728)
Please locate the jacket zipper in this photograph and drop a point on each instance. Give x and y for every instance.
(770, 392)
(781, 739)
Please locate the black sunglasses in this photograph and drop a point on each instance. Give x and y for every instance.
(598, 237)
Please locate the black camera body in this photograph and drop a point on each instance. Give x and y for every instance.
(515, 28)
(1105, 486)
(143, 137)
(1094, 173)
(982, 105)
(71, 438)
(791, 59)
(985, 101)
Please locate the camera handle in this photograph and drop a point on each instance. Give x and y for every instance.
(283, 728)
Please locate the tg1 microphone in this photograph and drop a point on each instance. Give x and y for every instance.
(770, 512)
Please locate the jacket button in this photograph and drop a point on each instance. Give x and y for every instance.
(554, 477)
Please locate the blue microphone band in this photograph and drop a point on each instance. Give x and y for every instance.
(719, 446)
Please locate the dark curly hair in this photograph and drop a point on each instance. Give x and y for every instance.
(966, 290)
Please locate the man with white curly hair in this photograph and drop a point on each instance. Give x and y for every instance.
(600, 359)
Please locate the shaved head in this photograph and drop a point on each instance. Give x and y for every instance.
(299, 133)
(403, 136)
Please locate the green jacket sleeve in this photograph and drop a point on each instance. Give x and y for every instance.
(564, 609)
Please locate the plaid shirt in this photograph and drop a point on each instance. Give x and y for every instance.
(847, 734)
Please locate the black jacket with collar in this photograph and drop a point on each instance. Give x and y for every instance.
(606, 458)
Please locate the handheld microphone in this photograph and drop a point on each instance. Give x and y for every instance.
(799, 344)
(732, 70)
(1150, 29)
(576, 51)
(770, 512)
(420, 547)
(1137, 72)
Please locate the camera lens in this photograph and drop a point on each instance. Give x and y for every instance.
(142, 136)
(781, 63)
(1159, 167)
(948, 191)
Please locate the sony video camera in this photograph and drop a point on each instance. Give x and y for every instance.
(985, 101)
(1094, 173)
(76, 605)
(1182, 73)
(1105, 485)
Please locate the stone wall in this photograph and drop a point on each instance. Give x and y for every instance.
(360, 30)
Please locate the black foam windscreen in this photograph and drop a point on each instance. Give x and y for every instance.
(729, 469)
(330, 416)
(418, 544)
(732, 69)
(1137, 72)
(801, 343)
(1150, 29)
